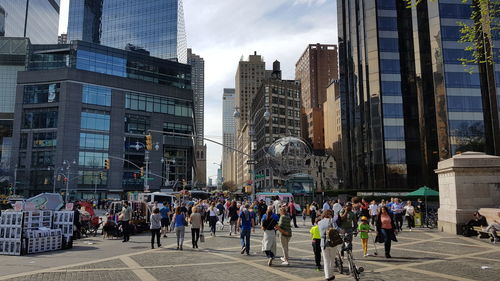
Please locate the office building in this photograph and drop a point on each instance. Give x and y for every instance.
(62, 39)
(406, 100)
(315, 69)
(228, 136)
(155, 26)
(282, 99)
(198, 85)
(38, 20)
(78, 105)
(249, 77)
(333, 124)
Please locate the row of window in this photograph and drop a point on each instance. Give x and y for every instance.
(465, 103)
(38, 119)
(94, 141)
(394, 133)
(395, 156)
(92, 159)
(95, 120)
(288, 92)
(137, 124)
(100, 63)
(158, 104)
(177, 128)
(45, 93)
(96, 95)
(393, 110)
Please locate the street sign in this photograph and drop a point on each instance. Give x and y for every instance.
(259, 176)
(149, 179)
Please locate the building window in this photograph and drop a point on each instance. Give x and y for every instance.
(94, 120)
(46, 93)
(42, 159)
(94, 141)
(389, 44)
(92, 159)
(38, 119)
(455, 11)
(390, 66)
(137, 124)
(42, 140)
(387, 23)
(96, 95)
(391, 88)
(394, 133)
(465, 104)
(451, 33)
(97, 62)
(158, 104)
(393, 110)
(178, 128)
(92, 177)
(395, 156)
(462, 80)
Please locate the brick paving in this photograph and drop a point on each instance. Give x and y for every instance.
(419, 255)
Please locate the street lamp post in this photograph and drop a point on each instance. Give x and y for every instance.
(138, 146)
(15, 179)
(68, 172)
(167, 162)
(251, 124)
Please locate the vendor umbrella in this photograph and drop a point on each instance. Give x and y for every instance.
(424, 191)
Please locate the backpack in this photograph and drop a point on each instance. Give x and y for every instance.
(333, 237)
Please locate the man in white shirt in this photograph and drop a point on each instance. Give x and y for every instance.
(373, 209)
(326, 205)
(337, 207)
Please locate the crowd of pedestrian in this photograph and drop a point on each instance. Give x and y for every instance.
(276, 218)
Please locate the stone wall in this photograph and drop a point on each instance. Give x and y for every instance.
(467, 182)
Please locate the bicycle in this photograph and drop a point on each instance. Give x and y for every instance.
(431, 219)
(354, 270)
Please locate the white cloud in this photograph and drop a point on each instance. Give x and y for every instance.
(310, 2)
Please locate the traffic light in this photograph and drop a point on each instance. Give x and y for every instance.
(135, 176)
(101, 175)
(58, 177)
(142, 172)
(106, 164)
(149, 142)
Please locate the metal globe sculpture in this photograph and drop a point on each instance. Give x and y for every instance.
(288, 156)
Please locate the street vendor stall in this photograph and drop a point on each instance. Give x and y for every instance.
(36, 225)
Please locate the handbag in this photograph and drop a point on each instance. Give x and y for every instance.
(202, 238)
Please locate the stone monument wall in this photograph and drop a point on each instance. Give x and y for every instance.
(467, 182)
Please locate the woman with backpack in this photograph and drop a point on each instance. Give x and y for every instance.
(327, 228)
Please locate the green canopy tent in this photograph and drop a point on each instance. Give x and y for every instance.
(423, 191)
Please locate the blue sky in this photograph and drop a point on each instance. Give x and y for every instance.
(222, 31)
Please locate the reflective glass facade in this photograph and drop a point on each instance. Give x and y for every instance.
(156, 26)
(41, 25)
(407, 102)
(95, 58)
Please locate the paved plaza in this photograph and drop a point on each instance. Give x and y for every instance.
(419, 255)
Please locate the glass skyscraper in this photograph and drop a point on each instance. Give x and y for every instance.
(36, 19)
(155, 26)
(406, 100)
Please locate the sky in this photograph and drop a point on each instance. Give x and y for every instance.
(224, 31)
